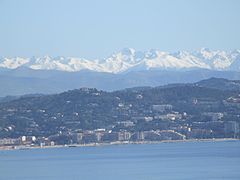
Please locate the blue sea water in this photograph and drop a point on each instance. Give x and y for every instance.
(164, 161)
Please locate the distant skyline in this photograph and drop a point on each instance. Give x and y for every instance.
(97, 28)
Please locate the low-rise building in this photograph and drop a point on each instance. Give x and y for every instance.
(231, 129)
(124, 136)
(10, 141)
(162, 108)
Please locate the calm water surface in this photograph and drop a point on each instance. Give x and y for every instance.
(165, 161)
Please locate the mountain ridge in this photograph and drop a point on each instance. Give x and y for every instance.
(90, 108)
(211, 83)
(28, 81)
(129, 59)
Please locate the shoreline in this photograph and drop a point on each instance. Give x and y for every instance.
(26, 147)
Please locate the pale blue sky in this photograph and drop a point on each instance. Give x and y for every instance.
(97, 28)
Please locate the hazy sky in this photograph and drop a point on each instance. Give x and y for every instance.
(97, 28)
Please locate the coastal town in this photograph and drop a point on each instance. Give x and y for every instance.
(129, 119)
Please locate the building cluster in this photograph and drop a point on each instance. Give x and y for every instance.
(93, 136)
(23, 140)
(163, 124)
(98, 136)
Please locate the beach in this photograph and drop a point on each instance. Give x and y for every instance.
(25, 147)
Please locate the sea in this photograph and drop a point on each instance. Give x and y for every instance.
(162, 161)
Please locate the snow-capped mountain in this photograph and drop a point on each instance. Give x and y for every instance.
(132, 60)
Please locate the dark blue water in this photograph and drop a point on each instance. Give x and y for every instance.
(165, 161)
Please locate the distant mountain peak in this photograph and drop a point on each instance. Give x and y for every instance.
(128, 51)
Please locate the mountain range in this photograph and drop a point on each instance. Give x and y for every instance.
(132, 60)
(125, 69)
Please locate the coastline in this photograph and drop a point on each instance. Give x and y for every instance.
(26, 147)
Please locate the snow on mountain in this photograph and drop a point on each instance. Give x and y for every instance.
(13, 63)
(190, 58)
(168, 61)
(130, 60)
(235, 65)
(218, 60)
(63, 64)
